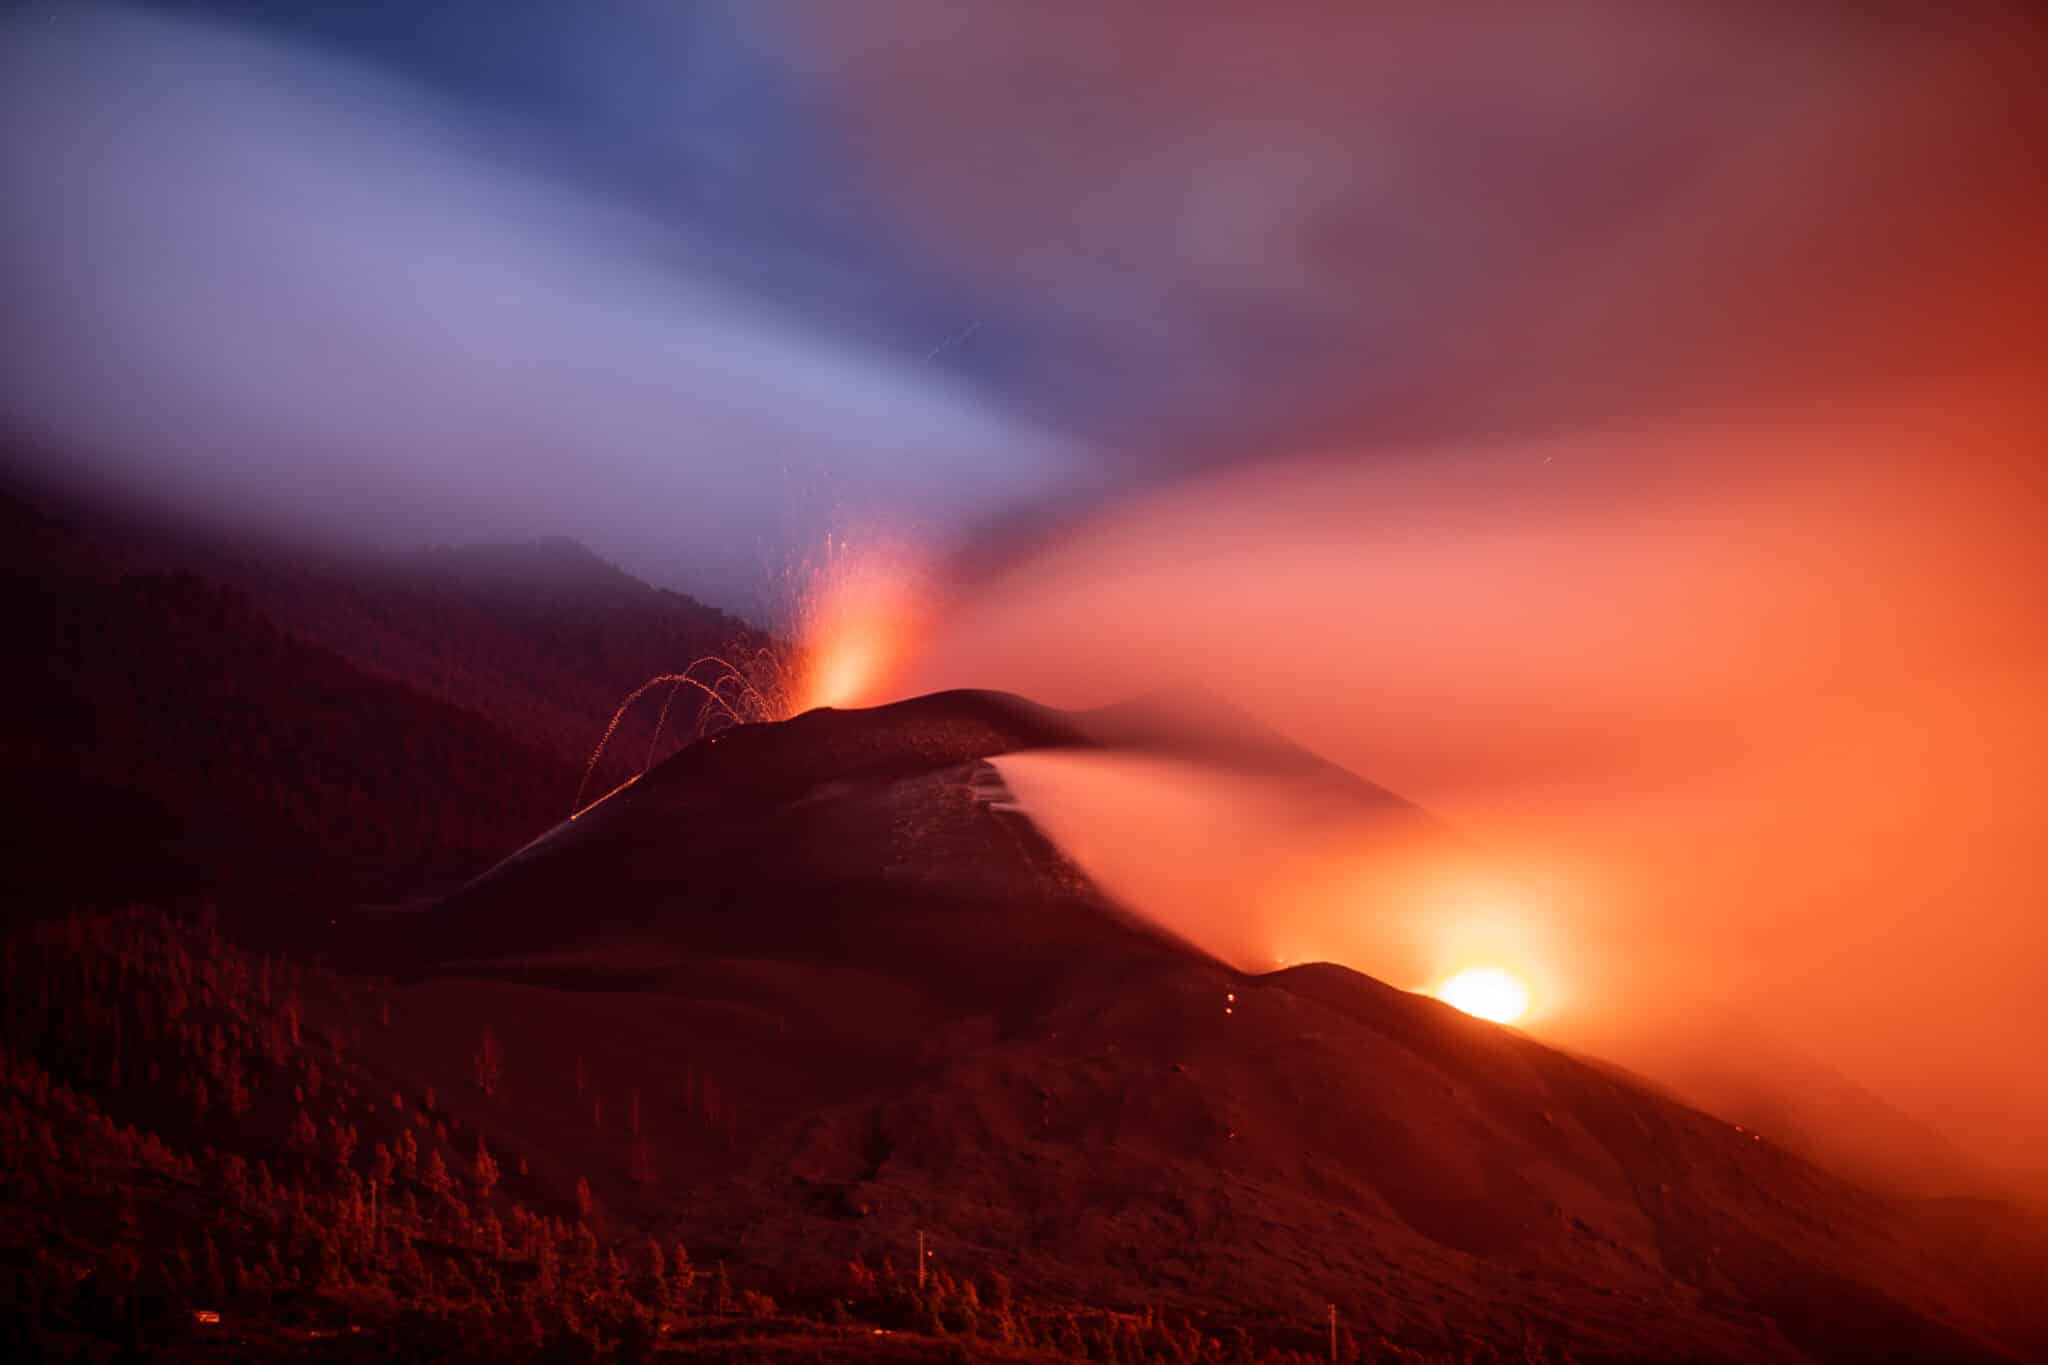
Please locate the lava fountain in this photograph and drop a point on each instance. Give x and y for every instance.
(859, 616)
(856, 614)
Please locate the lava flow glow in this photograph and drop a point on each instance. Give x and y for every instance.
(1490, 993)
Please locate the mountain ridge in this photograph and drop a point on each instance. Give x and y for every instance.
(1061, 1055)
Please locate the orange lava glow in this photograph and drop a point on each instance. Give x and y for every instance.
(1756, 748)
(859, 618)
(1491, 993)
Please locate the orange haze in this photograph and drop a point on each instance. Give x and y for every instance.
(1747, 717)
(1716, 636)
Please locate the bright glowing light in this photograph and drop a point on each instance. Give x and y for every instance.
(846, 663)
(858, 615)
(855, 618)
(1486, 992)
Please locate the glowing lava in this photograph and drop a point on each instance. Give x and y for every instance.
(846, 663)
(1487, 993)
(858, 618)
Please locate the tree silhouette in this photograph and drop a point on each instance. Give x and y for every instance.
(483, 1172)
(437, 1180)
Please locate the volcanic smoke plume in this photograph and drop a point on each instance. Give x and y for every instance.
(1744, 717)
(1695, 582)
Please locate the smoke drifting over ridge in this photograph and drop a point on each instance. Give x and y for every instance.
(1618, 431)
(1704, 594)
(1763, 736)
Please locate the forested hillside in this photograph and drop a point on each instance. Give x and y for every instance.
(207, 1153)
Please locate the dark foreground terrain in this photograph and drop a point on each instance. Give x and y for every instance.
(700, 1073)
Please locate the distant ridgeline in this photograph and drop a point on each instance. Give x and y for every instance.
(190, 720)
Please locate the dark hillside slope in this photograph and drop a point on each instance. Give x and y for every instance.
(874, 839)
(777, 829)
(924, 1019)
(544, 637)
(293, 729)
(166, 739)
(1322, 1138)
(210, 1155)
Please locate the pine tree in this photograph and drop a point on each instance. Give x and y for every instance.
(483, 1171)
(437, 1180)
(657, 1274)
(682, 1278)
(342, 1142)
